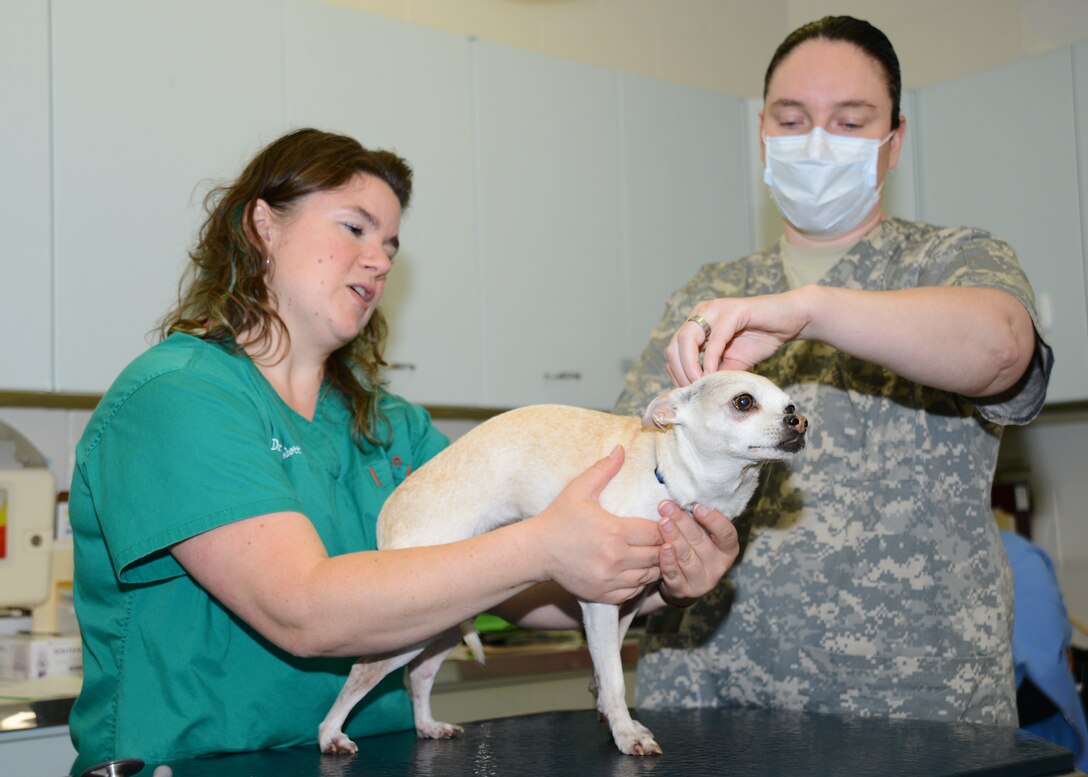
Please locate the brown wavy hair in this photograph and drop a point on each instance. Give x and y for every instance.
(223, 292)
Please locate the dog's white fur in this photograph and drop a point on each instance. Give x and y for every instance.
(708, 442)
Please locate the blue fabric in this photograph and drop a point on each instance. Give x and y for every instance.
(1040, 640)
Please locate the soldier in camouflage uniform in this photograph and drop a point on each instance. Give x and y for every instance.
(873, 580)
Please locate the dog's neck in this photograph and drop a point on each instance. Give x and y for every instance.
(724, 486)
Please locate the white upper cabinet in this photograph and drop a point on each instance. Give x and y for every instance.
(553, 274)
(407, 89)
(999, 151)
(26, 263)
(161, 99)
(684, 196)
(556, 205)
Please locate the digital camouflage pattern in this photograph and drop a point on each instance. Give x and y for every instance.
(873, 580)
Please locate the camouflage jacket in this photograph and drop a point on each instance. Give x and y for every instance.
(873, 580)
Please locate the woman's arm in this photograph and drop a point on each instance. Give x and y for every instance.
(274, 573)
(976, 342)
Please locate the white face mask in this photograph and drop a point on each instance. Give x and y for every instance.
(825, 185)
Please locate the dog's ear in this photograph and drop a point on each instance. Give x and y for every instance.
(661, 412)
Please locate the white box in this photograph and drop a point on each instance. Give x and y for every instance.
(37, 656)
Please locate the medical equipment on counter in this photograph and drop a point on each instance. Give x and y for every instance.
(28, 499)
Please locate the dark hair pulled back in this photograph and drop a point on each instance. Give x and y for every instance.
(856, 31)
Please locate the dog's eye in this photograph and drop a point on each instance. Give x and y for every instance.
(744, 402)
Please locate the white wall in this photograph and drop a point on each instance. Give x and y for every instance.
(724, 45)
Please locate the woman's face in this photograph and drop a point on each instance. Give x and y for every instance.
(329, 258)
(836, 86)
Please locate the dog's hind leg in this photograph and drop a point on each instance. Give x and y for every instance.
(603, 635)
(364, 675)
(421, 675)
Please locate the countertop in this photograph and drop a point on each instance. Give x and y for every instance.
(696, 743)
(36, 704)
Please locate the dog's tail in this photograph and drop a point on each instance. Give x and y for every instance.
(472, 640)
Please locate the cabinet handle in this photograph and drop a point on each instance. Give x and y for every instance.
(562, 376)
(402, 366)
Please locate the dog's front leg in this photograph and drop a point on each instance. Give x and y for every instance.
(604, 637)
(628, 612)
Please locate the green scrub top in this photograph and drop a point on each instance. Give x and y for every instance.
(191, 437)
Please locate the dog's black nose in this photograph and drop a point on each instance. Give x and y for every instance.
(797, 423)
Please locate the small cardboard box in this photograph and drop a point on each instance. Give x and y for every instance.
(37, 656)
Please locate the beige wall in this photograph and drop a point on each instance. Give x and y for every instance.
(724, 45)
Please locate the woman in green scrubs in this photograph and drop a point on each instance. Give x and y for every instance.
(228, 484)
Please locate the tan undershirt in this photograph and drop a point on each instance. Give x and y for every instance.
(806, 265)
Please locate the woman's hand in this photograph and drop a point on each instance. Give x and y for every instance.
(590, 552)
(697, 552)
(743, 332)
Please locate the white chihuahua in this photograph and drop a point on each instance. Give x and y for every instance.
(702, 444)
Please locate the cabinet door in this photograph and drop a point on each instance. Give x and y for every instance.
(998, 151)
(685, 196)
(150, 108)
(553, 275)
(26, 272)
(405, 88)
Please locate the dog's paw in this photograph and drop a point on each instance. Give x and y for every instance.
(636, 739)
(435, 730)
(337, 743)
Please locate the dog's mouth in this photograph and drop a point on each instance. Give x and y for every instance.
(792, 444)
(789, 444)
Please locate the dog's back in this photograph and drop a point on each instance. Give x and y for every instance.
(510, 467)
